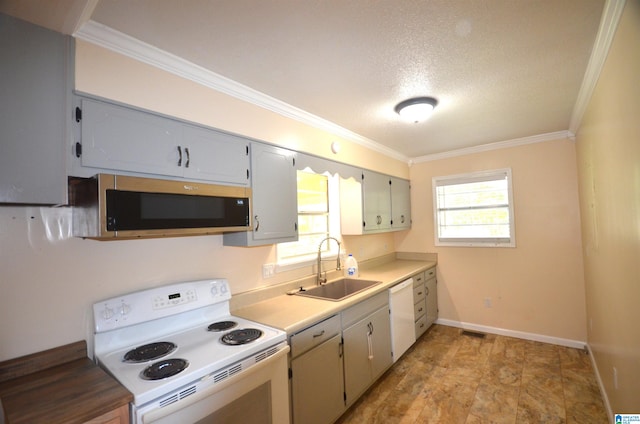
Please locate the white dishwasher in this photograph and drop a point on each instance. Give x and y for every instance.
(403, 333)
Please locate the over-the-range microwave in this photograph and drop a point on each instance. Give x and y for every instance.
(112, 207)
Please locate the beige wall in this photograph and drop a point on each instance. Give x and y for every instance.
(535, 288)
(608, 146)
(49, 280)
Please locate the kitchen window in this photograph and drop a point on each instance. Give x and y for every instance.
(474, 209)
(317, 207)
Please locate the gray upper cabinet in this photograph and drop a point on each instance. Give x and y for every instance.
(400, 204)
(36, 77)
(275, 198)
(120, 138)
(376, 202)
(215, 156)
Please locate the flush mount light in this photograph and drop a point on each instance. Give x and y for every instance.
(416, 109)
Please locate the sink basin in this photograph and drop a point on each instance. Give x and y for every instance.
(339, 289)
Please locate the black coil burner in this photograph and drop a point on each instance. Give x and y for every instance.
(164, 369)
(222, 326)
(149, 352)
(242, 336)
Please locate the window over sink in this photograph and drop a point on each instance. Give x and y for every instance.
(318, 218)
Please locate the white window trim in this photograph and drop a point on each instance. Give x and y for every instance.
(471, 177)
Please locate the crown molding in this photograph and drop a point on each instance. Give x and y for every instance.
(608, 24)
(106, 37)
(558, 135)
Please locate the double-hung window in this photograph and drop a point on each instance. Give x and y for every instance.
(474, 209)
(314, 220)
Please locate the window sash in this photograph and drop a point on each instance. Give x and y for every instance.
(314, 220)
(474, 209)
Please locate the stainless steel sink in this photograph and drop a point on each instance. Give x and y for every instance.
(339, 289)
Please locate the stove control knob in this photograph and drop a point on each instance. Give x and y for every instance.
(124, 309)
(107, 313)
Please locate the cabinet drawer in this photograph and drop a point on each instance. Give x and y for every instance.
(310, 337)
(421, 326)
(418, 279)
(364, 308)
(430, 273)
(419, 309)
(418, 293)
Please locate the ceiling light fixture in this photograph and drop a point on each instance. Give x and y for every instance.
(416, 109)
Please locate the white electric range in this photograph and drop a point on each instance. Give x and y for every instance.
(168, 343)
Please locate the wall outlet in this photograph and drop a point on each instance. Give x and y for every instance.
(487, 302)
(268, 270)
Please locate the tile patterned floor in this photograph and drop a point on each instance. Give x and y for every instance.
(447, 377)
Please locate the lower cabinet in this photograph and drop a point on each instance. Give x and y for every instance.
(419, 304)
(334, 361)
(431, 296)
(317, 379)
(367, 344)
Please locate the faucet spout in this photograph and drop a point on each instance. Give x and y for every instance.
(319, 279)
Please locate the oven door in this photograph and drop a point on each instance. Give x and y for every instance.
(257, 395)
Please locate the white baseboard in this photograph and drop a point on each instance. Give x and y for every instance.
(603, 392)
(578, 344)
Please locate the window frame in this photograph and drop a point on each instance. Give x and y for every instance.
(330, 248)
(471, 177)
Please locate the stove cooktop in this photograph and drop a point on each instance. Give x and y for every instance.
(191, 345)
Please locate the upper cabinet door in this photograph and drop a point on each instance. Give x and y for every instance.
(275, 198)
(215, 156)
(120, 138)
(376, 202)
(400, 204)
(36, 77)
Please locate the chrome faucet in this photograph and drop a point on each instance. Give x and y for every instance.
(319, 279)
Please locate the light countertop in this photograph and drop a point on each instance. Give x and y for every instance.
(293, 313)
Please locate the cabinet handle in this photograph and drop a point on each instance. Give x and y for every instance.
(370, 341)
(427, 291)
(186, 150)
(402, 219)
(180, 156)
(419, 293)
(379, 220)
(318, 334)
(255, 218)
(420, 310)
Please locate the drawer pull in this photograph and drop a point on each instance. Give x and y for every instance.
(420, 310)
(419, 293)
(318, 334)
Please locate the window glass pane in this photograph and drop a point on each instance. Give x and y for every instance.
(309, 224)
(485, 193)
(473, 209)
(312, 192)
(313, 219)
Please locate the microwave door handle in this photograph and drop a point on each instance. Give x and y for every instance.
(180, 156)
(186, 150)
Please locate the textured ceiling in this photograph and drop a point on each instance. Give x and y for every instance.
(500, 69)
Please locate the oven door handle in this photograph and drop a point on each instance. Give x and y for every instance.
(160, 413)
